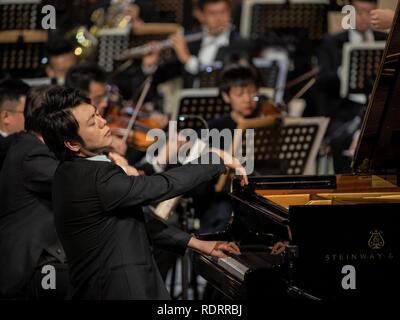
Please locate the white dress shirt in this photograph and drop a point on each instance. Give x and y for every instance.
(210, 45)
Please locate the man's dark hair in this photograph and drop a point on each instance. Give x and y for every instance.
(12, 90)
(240, 75)
(57, 123)
(80, 77)
(202, 3)
(34, 101)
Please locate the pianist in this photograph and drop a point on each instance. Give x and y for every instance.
(97, 206)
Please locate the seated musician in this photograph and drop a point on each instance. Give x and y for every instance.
(12, 104)
(28, 239)
(61, 57)
(238, 84)
(219, 39)
(98, 206)
(343, 112)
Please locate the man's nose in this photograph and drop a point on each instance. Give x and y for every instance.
(102, 122)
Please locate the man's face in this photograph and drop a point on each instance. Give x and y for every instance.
(242, 99)
(98, 95)
(12, 116)
(93, 128)
(216, 16)
(363, 18)
(59, 65)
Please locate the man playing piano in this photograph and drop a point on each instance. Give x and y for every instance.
(97, 206)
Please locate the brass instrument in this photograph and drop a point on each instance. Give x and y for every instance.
(114, 18)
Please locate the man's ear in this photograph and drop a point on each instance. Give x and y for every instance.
(226, 98)
(73, 145)
(5, 116)
(49, 72)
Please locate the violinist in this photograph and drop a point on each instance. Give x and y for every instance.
(239, 85)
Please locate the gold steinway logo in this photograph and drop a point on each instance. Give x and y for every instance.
(376, 240)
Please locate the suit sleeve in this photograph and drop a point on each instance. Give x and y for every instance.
(39, 167)
(116, 189)
(164, 235)
(329, 62)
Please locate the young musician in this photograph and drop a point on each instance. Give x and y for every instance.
(239, 85)
(98, 215)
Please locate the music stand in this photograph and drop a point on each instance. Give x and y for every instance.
(111, 43)
(203, 105)
(360, 65)
(173, 9)
(208, 76)
(199, 105)
(22, 52)
(261, 16)
(274, 73)
(287, 149)
(19, 14)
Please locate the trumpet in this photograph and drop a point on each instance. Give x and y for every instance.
(141, 51)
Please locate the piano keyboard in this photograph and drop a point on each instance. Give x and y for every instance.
(233, 266)
(239, 265)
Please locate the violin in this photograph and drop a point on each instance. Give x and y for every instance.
(266, 107)
(119, 120)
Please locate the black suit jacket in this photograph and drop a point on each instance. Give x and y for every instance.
(327, 81)
(107, 237)
(26, 219)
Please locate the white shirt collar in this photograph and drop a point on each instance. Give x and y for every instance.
(356, 37)
(3, 134)
(99, 157)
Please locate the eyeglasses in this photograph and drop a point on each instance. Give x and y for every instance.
(13, 111)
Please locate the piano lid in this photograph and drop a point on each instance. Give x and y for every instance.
(378, 149)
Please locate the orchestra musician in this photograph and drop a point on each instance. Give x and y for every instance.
(219, 41)
(342, 111)
(12, 104)
(238, 85)
(61, 57)
(28, 239)
(98, 206)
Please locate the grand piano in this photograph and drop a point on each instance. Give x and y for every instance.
(342, 231)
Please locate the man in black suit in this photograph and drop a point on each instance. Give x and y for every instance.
(28, 239)
(12, 103)
(327, 88)
(98, 215)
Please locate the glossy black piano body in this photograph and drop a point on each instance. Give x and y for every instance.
(337, 224)
(343, 230)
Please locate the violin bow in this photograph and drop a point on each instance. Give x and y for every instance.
(139, 104)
